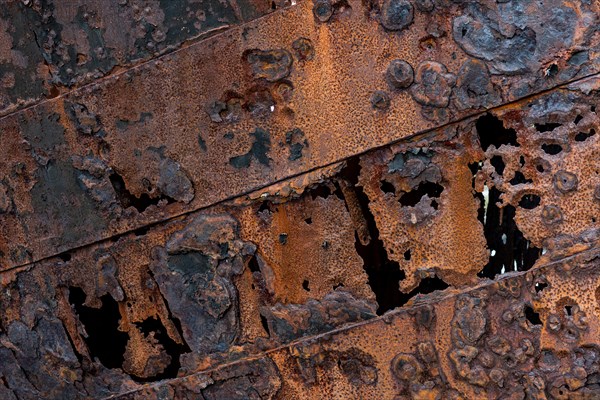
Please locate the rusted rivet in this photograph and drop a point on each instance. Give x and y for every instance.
(565, 181)
(400, 74)
(380, 100)
(551, 214)
(396, 14)
(304, 49)
(323, 10)
(406, 367)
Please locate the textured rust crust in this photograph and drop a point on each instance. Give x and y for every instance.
(528, 333)
(332, 249)
(48, 47)
(340, 200)
(259, 103)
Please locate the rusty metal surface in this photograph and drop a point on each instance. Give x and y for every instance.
(277, 294)
(259, 103)
(418, 232)
(71, 331)
(510, 339)
(48, 47)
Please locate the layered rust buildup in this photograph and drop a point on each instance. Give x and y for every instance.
(315, 199)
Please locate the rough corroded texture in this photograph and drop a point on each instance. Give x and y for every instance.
(418, 232)
(327, 250)
(50, 46)
(518, 334)
(299, 89)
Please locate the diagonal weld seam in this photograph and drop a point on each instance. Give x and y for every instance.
(451, 292)
(292, 176)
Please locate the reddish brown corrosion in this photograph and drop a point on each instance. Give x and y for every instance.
(341, 199)
(212, 116)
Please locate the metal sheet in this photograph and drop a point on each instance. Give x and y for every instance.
(272, 213)
(50, 47)
(280, 292)
(259, 103)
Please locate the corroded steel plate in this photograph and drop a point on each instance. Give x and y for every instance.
(329, 250)
(276, 97)
(394, 199)
(50, 46)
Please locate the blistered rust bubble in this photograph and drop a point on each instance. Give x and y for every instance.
(304, 49)
(433, 84)
(323, 10)
(380, 100)
(551, 214)
(396, 14)
(565, 181)
(399, 74)
(271, 65)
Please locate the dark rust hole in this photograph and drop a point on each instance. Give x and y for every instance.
(492, 132)
(104, 340)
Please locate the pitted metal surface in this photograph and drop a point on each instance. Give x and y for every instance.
(257, 104)
(49, 47)
(340, 199)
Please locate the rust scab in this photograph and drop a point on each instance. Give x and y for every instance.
(287, 322)
(194, 272)
(396, 15)
(474, 88)
(479, 37)
(271, 65)
(87, 123)
(303, 49)
(433, 84)
(228, 110)
(399, 74)
(470, 321)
